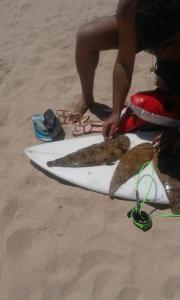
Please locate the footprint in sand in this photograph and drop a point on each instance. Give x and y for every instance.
(19, 83)
(90, 261)
(52, 292)
(101, 283)
(68, 81)
(4, 141)
(25, 8)
(53, 265)
(19, 242)
(35, 60)
(4, 70)
(54, 18)
(171, 289)
(8, 212)
(6, 164)
(129, 293)
(29, 181)
(11, 207)
(40, 50)
(4, 112)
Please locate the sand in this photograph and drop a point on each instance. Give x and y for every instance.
(59, 242)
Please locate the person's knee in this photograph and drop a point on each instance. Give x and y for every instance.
(85, 35)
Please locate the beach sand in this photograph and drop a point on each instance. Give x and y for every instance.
(59, 242)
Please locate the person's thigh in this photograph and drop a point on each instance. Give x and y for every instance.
(101, 34)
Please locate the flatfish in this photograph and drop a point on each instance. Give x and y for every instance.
(94, 155)
(167, 166)
(129, 165)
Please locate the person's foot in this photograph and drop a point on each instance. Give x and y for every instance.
(102, 111)
(81, 108)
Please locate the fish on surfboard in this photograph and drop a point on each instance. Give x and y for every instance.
(129, 165)
(94, 155)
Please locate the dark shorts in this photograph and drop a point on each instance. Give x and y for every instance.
(169, 72)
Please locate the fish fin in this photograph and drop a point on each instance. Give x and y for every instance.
(129, 165)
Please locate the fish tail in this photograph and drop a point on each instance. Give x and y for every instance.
(111, 192)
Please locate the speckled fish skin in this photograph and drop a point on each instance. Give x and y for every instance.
(94, 155)
(130, 164)
(167, 166)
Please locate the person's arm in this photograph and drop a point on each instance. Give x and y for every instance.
(123, 68)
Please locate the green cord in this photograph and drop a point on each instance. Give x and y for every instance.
(176, 215)
(149, 163)
(141, 219)
(170, 215)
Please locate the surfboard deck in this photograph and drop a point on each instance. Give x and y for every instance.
(98, 178)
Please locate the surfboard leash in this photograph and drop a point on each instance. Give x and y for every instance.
(142, 219)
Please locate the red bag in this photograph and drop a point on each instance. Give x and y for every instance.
(129, 121)
(156, 107)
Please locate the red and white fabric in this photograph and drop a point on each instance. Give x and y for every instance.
(129, 121)
(157, 107)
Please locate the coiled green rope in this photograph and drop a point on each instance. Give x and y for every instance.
(142, 219)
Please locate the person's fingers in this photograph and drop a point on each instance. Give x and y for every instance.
(113, 131)
(105, 131)
(160, 142)
(156, 145)
(157, 139)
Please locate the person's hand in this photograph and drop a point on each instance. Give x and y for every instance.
(169, 138)
(111, 126)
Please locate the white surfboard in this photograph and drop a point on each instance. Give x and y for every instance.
(98, 178)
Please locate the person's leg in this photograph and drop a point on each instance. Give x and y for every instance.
(91, 39)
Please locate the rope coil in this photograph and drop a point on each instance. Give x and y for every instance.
(142, 219)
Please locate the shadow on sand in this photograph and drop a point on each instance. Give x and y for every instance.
(54, 177)
(101, 111)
